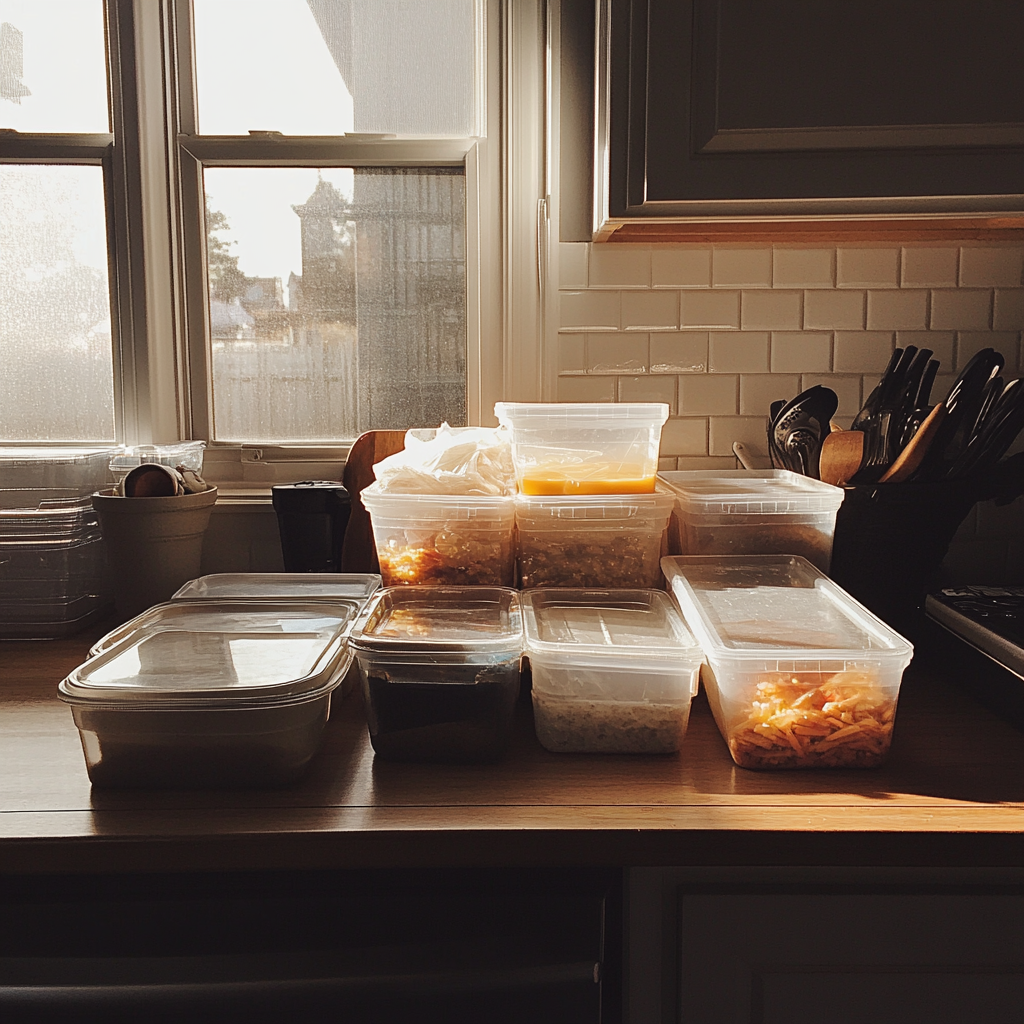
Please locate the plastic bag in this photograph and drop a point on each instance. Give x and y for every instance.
(457, 460)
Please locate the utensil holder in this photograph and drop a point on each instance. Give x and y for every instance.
(890, 539)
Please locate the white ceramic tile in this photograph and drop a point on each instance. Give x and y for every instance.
(649, 388)
(586, 389)
(751, 430)
(683, 352)
(710, 309)
(834, 310)
(681, 268)
(669, 463)
(583, 311)
(867, 268)
(741, 268)
(929, 267)
(684, 437)
(892, 310)
(1005, 342)
(801, 352)
(650, 311)
(804, 268)
(572, 264)
(619, 266)
(991, 267)
(940, 342)
(1009, 309)
(961, 310)
(862, 351)
(572, 353)
(847, 389)
(759, 390)
(1000, 521)
(739, 352)
(708, 394)
(617, 353)
(772, 311)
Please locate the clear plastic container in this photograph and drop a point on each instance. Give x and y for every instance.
(614, 671)
(204, 695)
(440, 671)
(29, 476)
(441, 539)
(753, 512)
(307, 586)
(596, 541)
(188, 454)
(798, 674)
(584, 448)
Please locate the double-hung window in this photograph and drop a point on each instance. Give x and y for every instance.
(248, 221)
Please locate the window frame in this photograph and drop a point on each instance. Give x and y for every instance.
(152, 163)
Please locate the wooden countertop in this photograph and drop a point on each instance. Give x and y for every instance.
(951, 794)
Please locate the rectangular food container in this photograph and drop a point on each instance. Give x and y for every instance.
(29, 476)
(187, 454)
(592, 541)
(584, 448)
(442, 539)
(440, 671)
(798, 674)
(305, 586)
(753, 512)
(614, 671)
(210, 695)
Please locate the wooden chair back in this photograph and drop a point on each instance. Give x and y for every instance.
(358, 553)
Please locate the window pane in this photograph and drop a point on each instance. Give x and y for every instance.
(337, 300)
(56, 363)
(53, 66)
(324, 67)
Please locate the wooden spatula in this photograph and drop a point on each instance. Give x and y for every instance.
(909, 460)
(841, 455)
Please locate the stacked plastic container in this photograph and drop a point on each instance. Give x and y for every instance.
(753, 512)
(53, 566)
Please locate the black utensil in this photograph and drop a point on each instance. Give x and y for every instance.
(800, 427)
(1002, 424)
(922, 404)
(962, 404)
(882, 426)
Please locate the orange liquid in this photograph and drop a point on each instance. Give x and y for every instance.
(553, 483)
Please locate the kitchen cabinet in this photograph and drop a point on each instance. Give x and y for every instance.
(837, 946)
(882, 108)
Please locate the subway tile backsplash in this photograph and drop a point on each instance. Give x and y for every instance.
(720, 332)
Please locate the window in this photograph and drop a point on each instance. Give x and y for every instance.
(266, 228)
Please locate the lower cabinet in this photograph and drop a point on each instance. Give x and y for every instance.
(853, 952)
(425, 946)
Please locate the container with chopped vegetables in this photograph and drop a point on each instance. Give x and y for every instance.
(798, 674)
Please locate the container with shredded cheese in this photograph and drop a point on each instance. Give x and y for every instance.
(798, 674)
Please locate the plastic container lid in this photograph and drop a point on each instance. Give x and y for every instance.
(633, 632)
(610, 510)
(309, 586)
(42, 472)
(441, 620)
(188, 454)
(778, 607)
(589, 414)
(429, 507)
(751, 492)
(187, 656)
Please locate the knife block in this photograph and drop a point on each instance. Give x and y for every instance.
(890, 539)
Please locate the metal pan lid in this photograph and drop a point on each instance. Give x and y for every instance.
(217, 654)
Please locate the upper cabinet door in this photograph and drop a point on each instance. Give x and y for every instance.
(794, 108)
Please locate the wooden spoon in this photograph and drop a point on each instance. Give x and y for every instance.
(841, 455)
(909, 460)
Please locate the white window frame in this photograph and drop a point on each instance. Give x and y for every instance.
(154, 206)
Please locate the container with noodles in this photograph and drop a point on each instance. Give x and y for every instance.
(798, 674)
